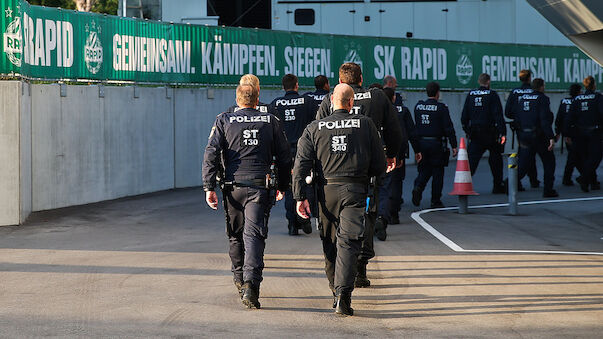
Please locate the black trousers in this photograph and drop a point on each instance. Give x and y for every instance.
(589, 146)
(390, 193)
(480, 143)
(574, 160)
(431, 167)
(531, 145)
(247, 210)
(342, 216)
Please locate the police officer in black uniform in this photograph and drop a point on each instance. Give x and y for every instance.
(346, 149)
(399, 174)
(534, 122)
(573, 159)
(321, 83)
(390, 191)
(295, 112)
(241, 149)
(483, 122)
(434, 130)
(511, 109)
(374, 104)
(585, 126)
(250, 79)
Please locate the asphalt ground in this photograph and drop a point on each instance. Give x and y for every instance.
(157, 266)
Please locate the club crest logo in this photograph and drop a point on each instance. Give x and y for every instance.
(12, 39)
(353, 56)
(464, 69)
(93, 49)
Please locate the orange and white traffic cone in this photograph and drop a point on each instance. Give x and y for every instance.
(463, 186)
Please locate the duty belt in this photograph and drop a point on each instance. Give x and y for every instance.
(257, 183)
(431, 138)
(346, 180)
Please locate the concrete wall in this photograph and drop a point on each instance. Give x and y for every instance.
(64, 145)
(10, 95)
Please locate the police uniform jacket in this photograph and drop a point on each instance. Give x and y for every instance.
(244, 143)
(407, 124)
(318, 96)
(433, 124)
(586, 114)
(562, 115)
(482, 113)
(533, 116)
(343, 146)
(374, 104)
(295, 112)
(511, 104)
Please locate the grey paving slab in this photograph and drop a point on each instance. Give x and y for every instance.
(156, 266)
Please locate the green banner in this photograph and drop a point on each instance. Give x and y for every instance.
(54, 44)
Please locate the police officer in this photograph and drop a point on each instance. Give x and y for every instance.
(347, 151)
(483, 122)
(390, 191)
(433, 128)
(511, 109)
(321, 83)
(295, 112)
(399, 174)
(240, 149)
(585, 127)
(535, 134)
(374, 104)
(573, 159)
(250, 79)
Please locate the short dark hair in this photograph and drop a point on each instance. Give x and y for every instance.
(483, 79)
(389, 93)
(432, 89)
(575, 90)
(289, 82)
(376, 85)
(320, 81)
(350, 73)
(525, 75)
(589, 83)
(537, 83)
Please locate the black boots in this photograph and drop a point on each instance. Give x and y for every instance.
(306, 225)
(251, 295)
(292, 228)
(381, 228)
(361, 279)
(416, 197)
(549, 193)
(344, 303)
(437, 204)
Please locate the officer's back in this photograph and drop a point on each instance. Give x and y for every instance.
(482, 112)
(433, 123)
(321, 83)
(511, 106)
(295, 111)
(246, 139)
(533, 116)
(372, 103)
(586, 112)
(342, 148)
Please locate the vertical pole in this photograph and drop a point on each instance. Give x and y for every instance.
(463, 204)
(513, 181)
(124, 7)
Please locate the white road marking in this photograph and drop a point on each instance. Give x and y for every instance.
(453, 246)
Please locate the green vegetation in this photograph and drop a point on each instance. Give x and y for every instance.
(100, 6)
